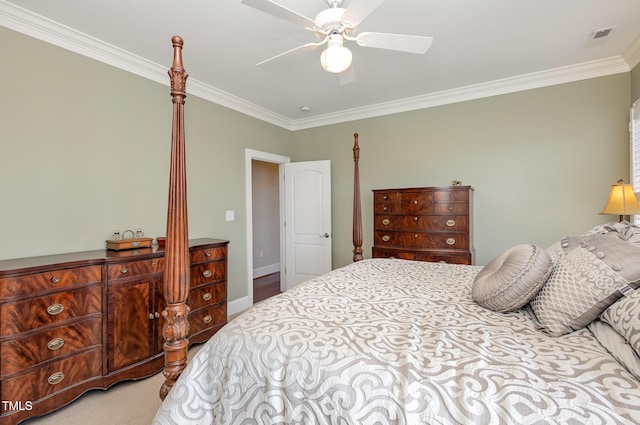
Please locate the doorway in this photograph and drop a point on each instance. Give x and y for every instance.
(251, 156)
(266, 229)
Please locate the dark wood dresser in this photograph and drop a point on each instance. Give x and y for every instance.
(74, 322)
(424, 224)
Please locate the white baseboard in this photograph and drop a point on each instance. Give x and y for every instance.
(265, 270)
(237, 306)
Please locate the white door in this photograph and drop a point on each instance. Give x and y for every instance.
(307, 199)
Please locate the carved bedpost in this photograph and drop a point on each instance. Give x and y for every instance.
(357, 211)
(176, 265)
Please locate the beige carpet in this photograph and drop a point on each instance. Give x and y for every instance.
(125, 403)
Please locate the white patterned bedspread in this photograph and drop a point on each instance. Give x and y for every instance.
(397, 342)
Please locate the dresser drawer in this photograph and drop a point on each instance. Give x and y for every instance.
(392, 253)
(391, 196)
(432, 256)
(53, 377)
(207, 295)
(385, 238)
(20, 316)
(135, 268)
(207, 254)
(421, 239)
(421, 223)
(441, 257)
(451, 208)
(442, 240)
(386, 208)
(416, 202)
(208, 272)
(56, 279)
(451, 195)
(23, 353)
(207, 317)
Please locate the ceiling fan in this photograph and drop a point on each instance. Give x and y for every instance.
(334, 26)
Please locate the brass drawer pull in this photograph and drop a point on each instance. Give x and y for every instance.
(385, 197)
(415, 202)
(55, 344)
(207, 254)
(450, 223)
(386, 238)
(206, 296)
(151, 316)
(385, 208)
(124, 270)
(386, 221)
(450, 241)
(156, 315)
(55, 279)
(55, 309)
(450, 207)
(415, 218)
(207, 319)
(55, 378)
(207, 273)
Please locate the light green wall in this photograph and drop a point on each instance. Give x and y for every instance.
(541, 161)
(635, 83)
(85, 150)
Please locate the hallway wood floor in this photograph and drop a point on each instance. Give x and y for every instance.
(266, 286)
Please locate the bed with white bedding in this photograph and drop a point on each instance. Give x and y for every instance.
(534, 337)
(388, 341)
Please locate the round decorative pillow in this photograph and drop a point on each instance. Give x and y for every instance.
(512, 279)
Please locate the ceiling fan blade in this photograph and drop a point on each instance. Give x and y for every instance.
(400, 42)
(300, 49)
(358, 11)
(280, 11)
(347, 76)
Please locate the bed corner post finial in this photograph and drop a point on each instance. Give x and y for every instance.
(357, 211)
(177, 74)
(175, 330)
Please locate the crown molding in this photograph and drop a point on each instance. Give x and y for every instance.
(47, 30)
(632, 53)
(600, 68)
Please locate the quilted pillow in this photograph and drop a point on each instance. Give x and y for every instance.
(624, 317)
(585, 281)
(511, 279)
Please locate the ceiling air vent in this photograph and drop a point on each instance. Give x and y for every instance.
(601, 33)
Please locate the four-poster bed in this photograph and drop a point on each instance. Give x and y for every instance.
(398, 341)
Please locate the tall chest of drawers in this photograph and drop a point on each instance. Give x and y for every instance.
(74, 322)
(424, 224)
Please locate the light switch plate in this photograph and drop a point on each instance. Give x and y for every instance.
(230, 215)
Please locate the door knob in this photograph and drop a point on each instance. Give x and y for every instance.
(326, 235)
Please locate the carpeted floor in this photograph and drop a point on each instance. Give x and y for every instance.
(126, 403)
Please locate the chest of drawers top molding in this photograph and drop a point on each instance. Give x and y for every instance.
(27, 265)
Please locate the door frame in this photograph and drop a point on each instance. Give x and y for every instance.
(250, 155)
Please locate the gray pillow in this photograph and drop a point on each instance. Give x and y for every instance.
(512, 279)
(585, 281)
(624, 317)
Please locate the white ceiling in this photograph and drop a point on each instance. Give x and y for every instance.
(481, 48)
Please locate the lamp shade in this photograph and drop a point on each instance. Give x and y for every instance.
(336, 58)
(622, 201)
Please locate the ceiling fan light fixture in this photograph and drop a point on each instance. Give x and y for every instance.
(336, 58)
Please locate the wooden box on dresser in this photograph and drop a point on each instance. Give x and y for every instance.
(424, 224)
(74, 322)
